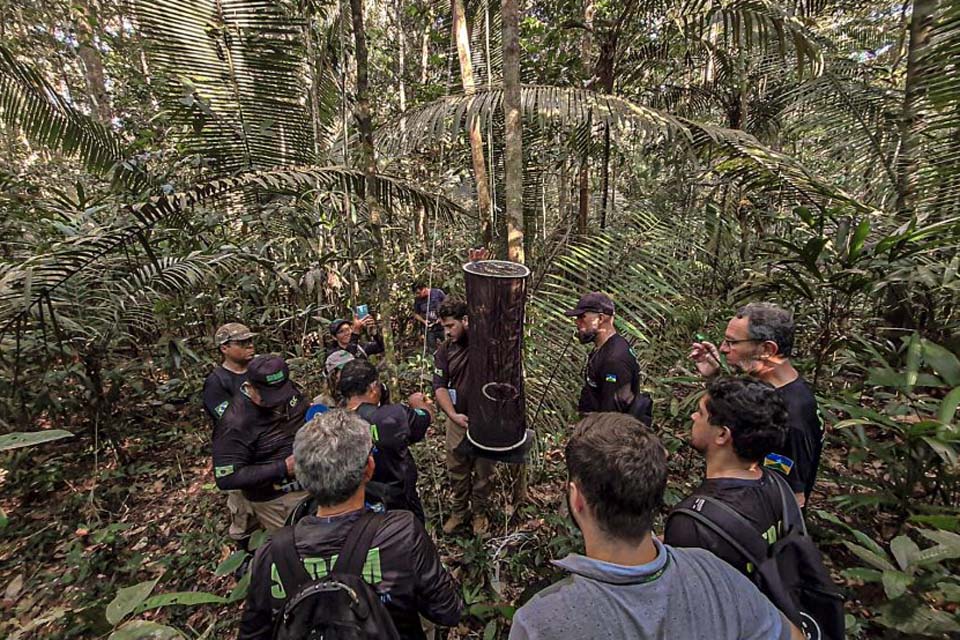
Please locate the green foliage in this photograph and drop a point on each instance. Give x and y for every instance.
(16, 440)
(919, 583)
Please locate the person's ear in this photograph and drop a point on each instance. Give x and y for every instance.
(370, 467)
(768, 349)
(466, 321)
(724, 436)
(577, 502)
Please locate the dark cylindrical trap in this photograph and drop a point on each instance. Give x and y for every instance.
(496, 296)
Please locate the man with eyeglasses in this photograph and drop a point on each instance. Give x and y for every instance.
(253, 443)
(234, 341)
(612, 375)
(759, 341)
(346, 336)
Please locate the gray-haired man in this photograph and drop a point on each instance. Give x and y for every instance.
(333, 461)
(759, 341)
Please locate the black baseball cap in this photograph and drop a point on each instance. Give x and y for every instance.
(271, 376)
(594, 301)
(336, 324)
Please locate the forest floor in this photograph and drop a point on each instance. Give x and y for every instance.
(80, 528)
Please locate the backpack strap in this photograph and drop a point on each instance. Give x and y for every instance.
(366, 411)
(283, 546)
(732, 527)
(788, 504)
(353, 555)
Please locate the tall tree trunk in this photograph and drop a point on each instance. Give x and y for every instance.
(425, 48)
(910, 117)
(369, 164)
(586, 53)
(461, 36)
(513, 135)
(605, 178)
(85, 19)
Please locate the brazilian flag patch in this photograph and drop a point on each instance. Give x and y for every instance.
(420, 412)
(219, 472)
(611, 377)
(221, 408)
(777, 462)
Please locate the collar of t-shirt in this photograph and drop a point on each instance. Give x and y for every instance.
(616, 573)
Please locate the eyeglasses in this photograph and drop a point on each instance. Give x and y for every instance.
(730, 343)
(241, 343)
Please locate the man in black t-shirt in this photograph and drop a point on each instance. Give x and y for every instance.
(234, 341)
(736, 422)
(253, 444)
(759, 341)
(612, 375)
(470, 477)
(394, 428)
(333, 462)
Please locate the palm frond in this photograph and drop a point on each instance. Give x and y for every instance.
(233, 74)
(732, 152)
(37, 278)
(29, 104)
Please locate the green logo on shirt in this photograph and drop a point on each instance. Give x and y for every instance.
(219, 472)
(611, 377)
(221, 408)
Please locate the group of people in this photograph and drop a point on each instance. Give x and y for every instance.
(346, 473)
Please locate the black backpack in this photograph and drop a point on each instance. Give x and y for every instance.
(338, 606)
(789, 572)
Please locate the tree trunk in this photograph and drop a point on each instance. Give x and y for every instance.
(461, 36)
(910, 117)
(369, 164)
(586, 52)
(605, 177)
(85, 18)
(425, 48)
(513, 140)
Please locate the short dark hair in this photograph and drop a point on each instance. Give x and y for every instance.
(753, 411)
(767, 321)
(417, 286)
(356, 377)
(452, 308)
(621, 468)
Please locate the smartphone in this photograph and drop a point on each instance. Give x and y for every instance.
(362, 311)
(700, 337)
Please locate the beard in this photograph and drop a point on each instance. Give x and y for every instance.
(587, 336)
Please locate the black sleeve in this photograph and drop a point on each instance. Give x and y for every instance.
(375, 345)
(615, 381)
(441, 368)
(233, 466)
(437, 593)
(216, 398)
(419, 421)
(256, 622)
(800, 448)
(685, 532)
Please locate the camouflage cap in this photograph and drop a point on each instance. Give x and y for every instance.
(336, 360)
(232, 331)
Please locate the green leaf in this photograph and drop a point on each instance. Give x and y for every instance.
(128, 599)
(895, 583)
(951, 592)
(914, 352)
(904, 550)
(945, 450)
(231, 564)
(941, 360)
(145, 630)
(4, 520)
(949, 523)
(921, 620)
(20, 439)
(863, 574)
(490, 630)
(868, 542)
(240, 591)
(257, 539)
(188, 598)
(871, 558)
(948, 406)
(859, 237)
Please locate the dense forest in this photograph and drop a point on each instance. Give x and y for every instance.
(169, 166)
